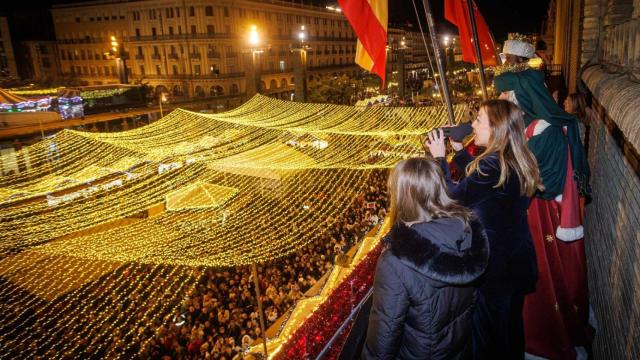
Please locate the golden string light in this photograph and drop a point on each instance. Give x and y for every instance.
(131, 216)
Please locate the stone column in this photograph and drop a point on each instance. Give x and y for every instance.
(252, 73)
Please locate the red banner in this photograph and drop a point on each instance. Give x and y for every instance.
(457, 13)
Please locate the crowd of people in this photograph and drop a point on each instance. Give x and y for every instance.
(219, 319)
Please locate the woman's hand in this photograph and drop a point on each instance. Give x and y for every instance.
(435, 143)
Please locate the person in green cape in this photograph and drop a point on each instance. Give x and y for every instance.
(556, 315)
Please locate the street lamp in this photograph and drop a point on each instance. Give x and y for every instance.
(117, 50)
(302, 35)
(161, 99)
(299, 51)
(254, 38)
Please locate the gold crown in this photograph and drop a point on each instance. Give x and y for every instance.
(519, 37)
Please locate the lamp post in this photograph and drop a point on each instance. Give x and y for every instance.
(300, 65)
(253, 75)
(117, 49)
(401, 69)
(162, 98)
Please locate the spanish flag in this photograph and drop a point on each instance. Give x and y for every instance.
(368, 18)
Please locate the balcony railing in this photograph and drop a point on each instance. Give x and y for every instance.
(195, 56)
(182, 37)
(621, 47)
(188, 76)
(139, 57)
(155, 56)
(173, 56)
(232, 54)
(213, 55)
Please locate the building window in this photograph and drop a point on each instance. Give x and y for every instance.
(158, 70)
(63, 55)
(137, 32)
(106, 70)
(208, 11)
(154, 33)
(282, 65)
(46, 63)
(114, 71)
(170, 30)
(192, 11)
(77, 19)
(211, 30)
(197, 69)
(226, 11)
(177, 12)
(175, 69)
(152, 14)
(193, 29)
(141, 69)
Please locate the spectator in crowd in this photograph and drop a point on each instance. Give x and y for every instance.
(576, 105)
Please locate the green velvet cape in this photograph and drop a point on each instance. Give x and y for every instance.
(549, 147)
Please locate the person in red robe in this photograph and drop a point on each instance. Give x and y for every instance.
(556, 315)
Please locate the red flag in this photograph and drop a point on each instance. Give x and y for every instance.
(368, 18)
(457, 13)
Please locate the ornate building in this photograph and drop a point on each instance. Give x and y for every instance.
(198, 47)
(8, 67)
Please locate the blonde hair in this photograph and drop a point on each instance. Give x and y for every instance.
(508, 140)
(418, 193)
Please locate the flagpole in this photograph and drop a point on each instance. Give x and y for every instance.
(476, 45)
(436, 50)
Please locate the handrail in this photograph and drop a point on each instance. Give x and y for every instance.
(343, 326)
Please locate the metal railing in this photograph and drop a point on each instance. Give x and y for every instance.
(188, 76)
(343, 326)
(553, 69)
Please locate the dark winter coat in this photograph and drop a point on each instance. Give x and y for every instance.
(503, 214)
(423, 296)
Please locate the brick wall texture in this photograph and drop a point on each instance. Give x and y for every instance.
(612, 238)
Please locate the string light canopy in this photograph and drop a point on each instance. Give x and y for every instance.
(107, 232)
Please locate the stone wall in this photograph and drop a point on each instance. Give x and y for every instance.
(591, 13)
(612, 224)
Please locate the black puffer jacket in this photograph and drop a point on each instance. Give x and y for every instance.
(423, 295)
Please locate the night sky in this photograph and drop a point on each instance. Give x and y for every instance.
(31, 20)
